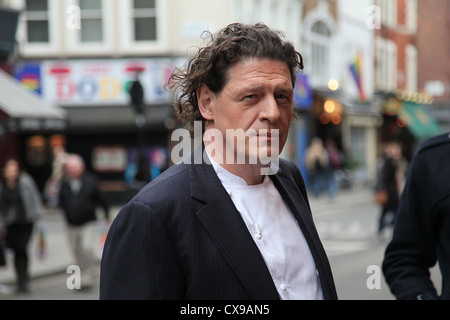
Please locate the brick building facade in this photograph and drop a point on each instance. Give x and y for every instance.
(433, 42)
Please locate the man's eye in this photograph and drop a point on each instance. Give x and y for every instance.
(251, 98)
(281, 97)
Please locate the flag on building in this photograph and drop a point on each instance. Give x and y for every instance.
(356, 71)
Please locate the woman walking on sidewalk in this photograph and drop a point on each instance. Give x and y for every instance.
(20, 206)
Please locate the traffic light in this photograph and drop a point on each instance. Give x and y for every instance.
(137, 96)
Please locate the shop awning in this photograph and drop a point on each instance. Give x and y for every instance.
(27, 107)
(419, 120)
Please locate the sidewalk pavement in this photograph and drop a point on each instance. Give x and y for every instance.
(59, 257)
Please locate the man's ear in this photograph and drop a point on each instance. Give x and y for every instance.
(204, 99)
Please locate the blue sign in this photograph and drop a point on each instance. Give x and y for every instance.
(303, 94)
(29, 74)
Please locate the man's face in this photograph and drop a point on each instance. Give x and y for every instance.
(74, 168)
(258, 98)
(11, 171)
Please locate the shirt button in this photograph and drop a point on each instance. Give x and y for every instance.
(258, 234)
(283, 287)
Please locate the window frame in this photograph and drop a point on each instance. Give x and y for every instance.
(127, 42)
(322, 67)
(74, 44)
(52, 46)
(411, 54)
(386, 68)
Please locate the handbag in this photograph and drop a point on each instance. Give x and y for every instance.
(42, 243)
(381, 197)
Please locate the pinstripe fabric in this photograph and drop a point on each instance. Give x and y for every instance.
(182, 238)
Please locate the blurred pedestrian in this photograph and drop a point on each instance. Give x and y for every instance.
(208, 228)
(390, 183)
(53, 183)
(20, 207)
(317, 162)
(335, 164)
(421, 234)
(142, 176)
(79, 197)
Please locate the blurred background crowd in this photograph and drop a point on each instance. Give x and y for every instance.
(376, 71)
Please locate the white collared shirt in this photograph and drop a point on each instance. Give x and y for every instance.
(277, 235)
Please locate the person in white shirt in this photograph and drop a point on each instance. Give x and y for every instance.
(236, 224)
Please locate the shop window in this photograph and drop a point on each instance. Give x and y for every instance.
(109, 158)
(36, 154)
(358, 147)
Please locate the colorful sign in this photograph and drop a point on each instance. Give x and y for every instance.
(29, 74)
(98, 82)
(303, 94)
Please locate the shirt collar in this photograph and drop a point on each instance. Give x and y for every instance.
(227, 178)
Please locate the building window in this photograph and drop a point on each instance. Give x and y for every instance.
(144, 20)
(143, 26)
(320, 51)
(91, 21)
(411, 68)
(96, 29)
(39, 27)
(283, 15)
(386, 65)
(388, 12)
(411, 15)
(37, 24)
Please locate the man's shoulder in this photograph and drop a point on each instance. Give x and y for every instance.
(168, 183)
(166, 197)
(287, 167)
(434, 144)
(173, 173)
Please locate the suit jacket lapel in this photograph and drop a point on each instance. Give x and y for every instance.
(224, 224)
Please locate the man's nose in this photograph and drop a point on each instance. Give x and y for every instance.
(270, 111)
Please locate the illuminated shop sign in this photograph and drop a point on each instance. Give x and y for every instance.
(99, 82)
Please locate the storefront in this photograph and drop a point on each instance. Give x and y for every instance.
(360, 126)
(102, 125)
(351, 125)
(408, 121)
(26, 124)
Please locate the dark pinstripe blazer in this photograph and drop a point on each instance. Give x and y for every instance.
(181, 237)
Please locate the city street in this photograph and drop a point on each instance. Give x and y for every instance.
(349, 237)
(347, 226)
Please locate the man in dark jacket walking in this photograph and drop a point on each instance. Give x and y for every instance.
(421, 232)
(79, 197)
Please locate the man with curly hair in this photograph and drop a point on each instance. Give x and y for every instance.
(225, 228)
